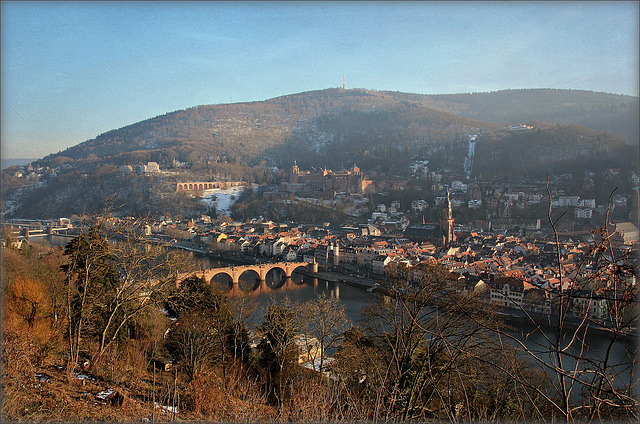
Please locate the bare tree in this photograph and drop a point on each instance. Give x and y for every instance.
(146, 270)
(325, 319)
(113, 274)
(278, 349)
(194, 344)
(89, 279)
(423, 349)
(589, 383)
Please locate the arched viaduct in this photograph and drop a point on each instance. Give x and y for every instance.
(259, 271)
(206, 185)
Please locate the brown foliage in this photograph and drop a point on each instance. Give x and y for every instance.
(125, 365)
(30, 307)
(242, 401)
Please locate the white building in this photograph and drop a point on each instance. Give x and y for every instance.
(567, 201)
(589, 303)
(458, 186)
(583, 213)
(507, 292)
(475, 203)
(379, 262)
(587, 203)
(152, 168)
(512, 196)
(419, 205)
(628, 231)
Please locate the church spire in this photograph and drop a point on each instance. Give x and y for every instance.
(446, 221)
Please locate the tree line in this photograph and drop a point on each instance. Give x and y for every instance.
(426, 348)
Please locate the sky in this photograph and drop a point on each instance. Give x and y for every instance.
(73, 70)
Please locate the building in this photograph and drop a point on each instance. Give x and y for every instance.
(151, 168)
(627, 231)
(309, 348)
(327, 254)
(379, 262)
(589, 303)
(583, 213)
(507, 292)
(521, 127)
(564, 201)
(438, 234)
(322, 180)
(446, 222)
(419, 205)
(587, 203)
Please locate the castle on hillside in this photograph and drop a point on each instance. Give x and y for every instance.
(323, 180)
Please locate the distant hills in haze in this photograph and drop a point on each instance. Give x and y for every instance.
(6, 163)
(383, 132)
(611, 113)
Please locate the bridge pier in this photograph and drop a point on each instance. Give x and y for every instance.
(288, 283)
(235, 290)
(263, 288)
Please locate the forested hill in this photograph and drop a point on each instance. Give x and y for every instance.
(383, 132)
(316, 124)
(247, 133)
(611, 113)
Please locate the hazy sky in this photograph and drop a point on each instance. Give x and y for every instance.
(73, 70)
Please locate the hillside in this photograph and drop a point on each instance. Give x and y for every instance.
(382, 132)
(550, 150)
(247, 133)
(611, 113)
(362, 120)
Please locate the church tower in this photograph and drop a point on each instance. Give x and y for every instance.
(294, 176)
(446, 222)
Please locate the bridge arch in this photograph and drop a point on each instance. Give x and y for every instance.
(206, 185)
(222, 279)
(275, 277)
(249, 280)
(251, 277)
(298, 278)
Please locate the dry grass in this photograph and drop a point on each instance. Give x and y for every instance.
(62, 399)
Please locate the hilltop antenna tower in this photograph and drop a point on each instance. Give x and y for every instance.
(343, 81)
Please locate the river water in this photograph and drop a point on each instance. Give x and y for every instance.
(298, 289)
(301, 289)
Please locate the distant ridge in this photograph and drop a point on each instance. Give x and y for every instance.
(7, 163)
(615, 114)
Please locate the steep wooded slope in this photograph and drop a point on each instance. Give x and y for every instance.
(249, 132)
(615, 114)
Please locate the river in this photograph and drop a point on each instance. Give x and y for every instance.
(301, 289)
(298, 290)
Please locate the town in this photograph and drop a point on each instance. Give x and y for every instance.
(514, 262)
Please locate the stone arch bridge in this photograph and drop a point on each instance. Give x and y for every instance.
(234, 274)
(206, 185)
